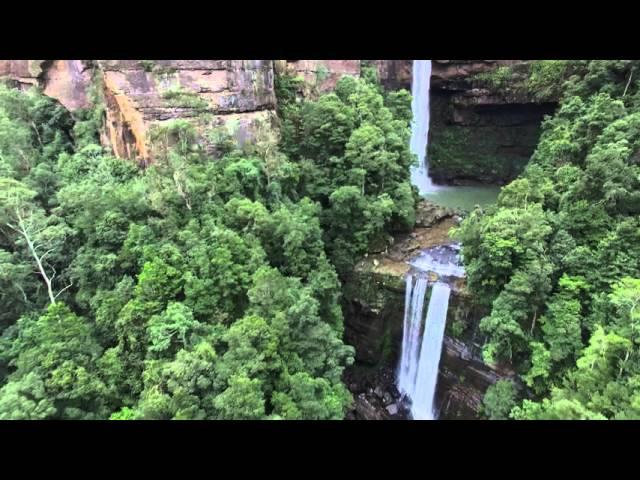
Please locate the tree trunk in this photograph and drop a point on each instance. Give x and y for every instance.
(32, 250)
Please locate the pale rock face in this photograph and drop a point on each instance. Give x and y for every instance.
(322, 75)
(140, 93)
(23, 72)
(68, 81)
(213, 92)
(455, 74)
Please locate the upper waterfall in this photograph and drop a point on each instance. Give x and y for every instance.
(420, 85)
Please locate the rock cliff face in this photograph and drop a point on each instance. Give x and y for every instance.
(320, 75)
(141, 93)
(65, 80)
(485, 122)
(395, 74)
(374, 298)
(480, 131)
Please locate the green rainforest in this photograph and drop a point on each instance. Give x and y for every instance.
(207, 284)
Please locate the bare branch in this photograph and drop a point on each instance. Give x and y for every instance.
(68, 286)
(35, 128)
(13, 228)
(628, 83)
(24, 295)
(22, 230)
(46, 253)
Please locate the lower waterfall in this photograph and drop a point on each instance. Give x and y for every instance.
(423, 331)
(412, 335)
(427, 377)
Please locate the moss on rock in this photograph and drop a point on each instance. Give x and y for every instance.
(487, 154)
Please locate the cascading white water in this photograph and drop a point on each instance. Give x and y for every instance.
(412, 334)
(422, 407)
(422, 338)
(420, 84)
(422, 344)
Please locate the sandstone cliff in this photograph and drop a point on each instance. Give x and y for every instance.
(141, 93)
(319, 75)
(481, 130)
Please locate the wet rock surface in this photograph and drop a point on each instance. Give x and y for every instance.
(374, 292)
(463, 380)
(429, 214)
(484, 127)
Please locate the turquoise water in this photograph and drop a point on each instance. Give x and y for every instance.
(464, 198)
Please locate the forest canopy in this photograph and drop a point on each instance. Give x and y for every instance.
(557, 260)
(206, 286)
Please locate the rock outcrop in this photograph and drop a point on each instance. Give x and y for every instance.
(485, 121)
(139, 94)
(142, 93)
(395, 74)
(23, 73)
(463, 380)
(480, 131)
(375, 395)
(65, 80)
(320, 75)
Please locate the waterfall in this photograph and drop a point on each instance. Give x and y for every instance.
(422, 407)
(422, 337)
(421, 79)
(411, 336)
(422, 344)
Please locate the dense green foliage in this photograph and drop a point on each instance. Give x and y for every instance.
(499, 400)
(203, 287)
(208, 285)
(541, 80)
(351, 148)
(558, 258)
(472, 152)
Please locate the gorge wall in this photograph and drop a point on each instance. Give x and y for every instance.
(484, 125)
(485, 117)
(485, 120)
(139, 94)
